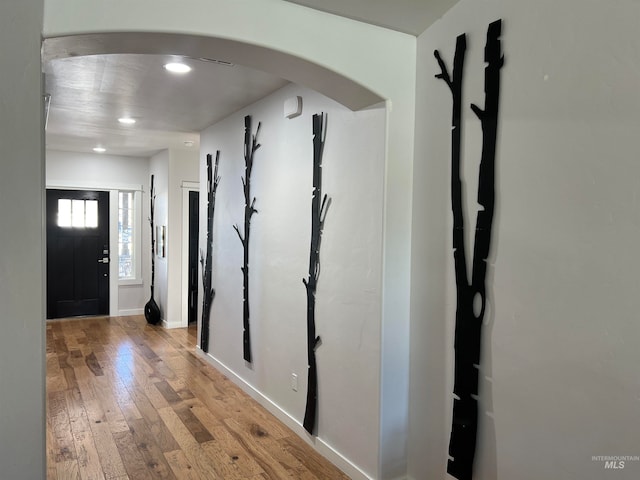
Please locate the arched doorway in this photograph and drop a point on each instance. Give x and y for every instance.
(355, 65)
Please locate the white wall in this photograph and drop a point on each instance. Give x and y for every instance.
(183, 167)
(171, 168)
(92, 168)
(348, 309)
(103, 171)
(22, 391)
(561, 341)
(159, 168)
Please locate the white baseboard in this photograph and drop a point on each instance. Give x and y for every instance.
(169, 325)
(319, 445)
(131, 311)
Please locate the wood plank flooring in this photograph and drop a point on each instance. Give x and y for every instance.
(127, 400)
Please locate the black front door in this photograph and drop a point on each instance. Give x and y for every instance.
(194, 209)
(77, 253)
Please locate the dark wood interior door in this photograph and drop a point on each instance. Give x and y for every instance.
(77, 253)
(194, 209)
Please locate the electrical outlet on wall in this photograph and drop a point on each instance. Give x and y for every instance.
(294, 382)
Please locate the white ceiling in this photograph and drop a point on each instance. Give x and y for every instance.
(90, 93)
(408, 16)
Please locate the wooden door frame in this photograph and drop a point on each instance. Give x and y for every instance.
(186, 188)
(113, 189)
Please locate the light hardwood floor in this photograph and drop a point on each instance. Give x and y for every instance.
(127, 400)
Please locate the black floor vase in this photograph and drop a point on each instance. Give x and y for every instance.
(152, 312)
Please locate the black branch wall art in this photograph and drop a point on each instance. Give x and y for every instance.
(319, 207)
(471, 296)
(206, 258)
(250, 146)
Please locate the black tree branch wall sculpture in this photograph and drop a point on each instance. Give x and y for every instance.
(468, 327)
(318, 214)
(206, 261)
(250, 147)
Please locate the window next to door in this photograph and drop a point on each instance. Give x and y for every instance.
(129, 238)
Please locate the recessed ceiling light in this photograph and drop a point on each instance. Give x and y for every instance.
(188, 143)
(177, 67)
(127, 120)
(99, 149)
